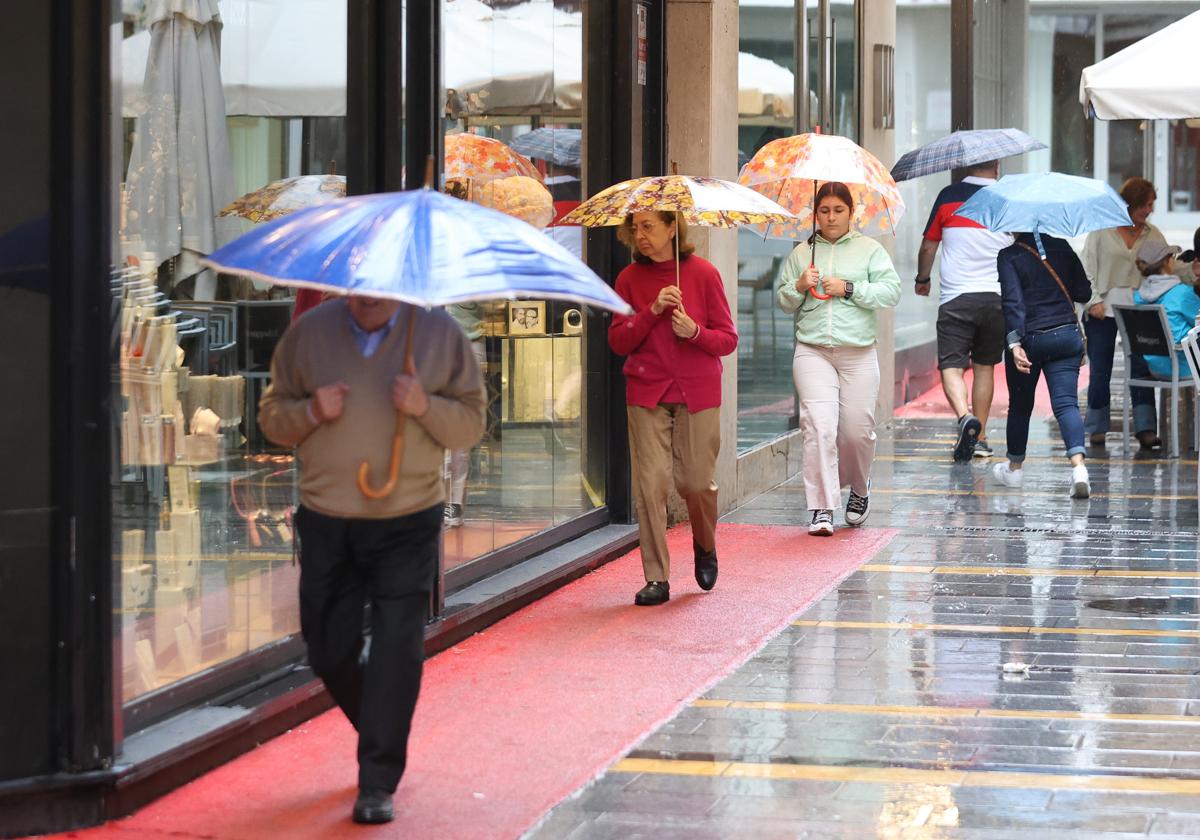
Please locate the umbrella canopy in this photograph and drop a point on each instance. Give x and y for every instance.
(560, 146)
(180, 168)
(790, 170)
(709, 202)
(962, 149)
(473, 157)
(280, 198)
(420, 247)
(1149, 79)
(1048, 202)
(520, 197)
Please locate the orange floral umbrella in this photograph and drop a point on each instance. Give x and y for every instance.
(790, 170)
(520, 196)
(473, 157)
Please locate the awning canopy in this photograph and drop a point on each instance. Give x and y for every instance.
(287, 58)
(1153, 78)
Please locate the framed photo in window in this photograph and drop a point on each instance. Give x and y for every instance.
(527, 317)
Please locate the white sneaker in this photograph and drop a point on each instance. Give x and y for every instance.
(822, 524)
(1007, 477)
(1080, 487)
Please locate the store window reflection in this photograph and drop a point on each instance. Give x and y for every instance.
(230, 118)
(513, 73)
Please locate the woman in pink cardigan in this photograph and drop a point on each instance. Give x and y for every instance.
(674, 342)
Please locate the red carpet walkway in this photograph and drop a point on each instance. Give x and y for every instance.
(515, 719)
(932, 404)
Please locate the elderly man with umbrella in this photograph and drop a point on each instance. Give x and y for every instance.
(969, 324)
(341, 375)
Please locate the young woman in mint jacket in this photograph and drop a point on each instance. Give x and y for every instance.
(835, 366)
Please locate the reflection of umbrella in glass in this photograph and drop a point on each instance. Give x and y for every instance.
(180, 169)
(962, 149)
(1046, 202)
(473, 157)
(280, 198)
(709, 202)
(520, 197)
(560, 146)
(420, 247)
(791, 170)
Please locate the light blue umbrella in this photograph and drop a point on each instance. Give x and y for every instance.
(1047, 202)
(962, 149)
(420, 247)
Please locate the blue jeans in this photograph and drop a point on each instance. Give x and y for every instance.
(1102, 345)
(1055, 353)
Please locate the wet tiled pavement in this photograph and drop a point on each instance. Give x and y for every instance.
(1015, 664)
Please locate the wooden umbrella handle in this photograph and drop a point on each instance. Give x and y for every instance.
(393, 477)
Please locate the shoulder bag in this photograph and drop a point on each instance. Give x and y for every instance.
(1063, 288)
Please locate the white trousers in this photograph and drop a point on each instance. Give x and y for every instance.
(838, 388)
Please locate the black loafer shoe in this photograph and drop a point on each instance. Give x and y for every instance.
(706, 568)
(653, 593)
(373, 806)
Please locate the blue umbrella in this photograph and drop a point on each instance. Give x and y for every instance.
(561, 146)
(420, 247)
(962, 149)
(1048, 202)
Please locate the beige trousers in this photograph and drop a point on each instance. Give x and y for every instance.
(665, 443)
(838, 387)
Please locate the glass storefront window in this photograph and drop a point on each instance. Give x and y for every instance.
(513, 71)
(216, 102)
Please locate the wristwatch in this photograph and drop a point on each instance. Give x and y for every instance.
(920, 281)
(849, 290)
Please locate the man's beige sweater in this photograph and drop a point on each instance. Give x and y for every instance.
(319, 349)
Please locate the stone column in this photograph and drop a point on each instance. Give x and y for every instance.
(702, 70)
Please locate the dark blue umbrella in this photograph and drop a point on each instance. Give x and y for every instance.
(560, 146)
(962, 149)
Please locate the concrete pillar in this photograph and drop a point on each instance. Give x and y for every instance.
(879, 27)
(702, 70)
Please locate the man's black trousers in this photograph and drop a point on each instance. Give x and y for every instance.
(390, 564)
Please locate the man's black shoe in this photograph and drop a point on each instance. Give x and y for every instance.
(653, 593)
(373, 806)
(706, 567)
(968, 432)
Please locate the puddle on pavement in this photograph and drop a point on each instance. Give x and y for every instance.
(1170, 605)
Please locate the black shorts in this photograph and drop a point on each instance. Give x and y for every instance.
(970, 330)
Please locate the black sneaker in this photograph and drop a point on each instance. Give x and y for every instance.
(452, 516)
(858, 507)
(822, 524)
(982, 449)
(969, 428)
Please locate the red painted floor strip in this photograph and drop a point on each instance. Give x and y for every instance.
(515, 719)
(932, 404)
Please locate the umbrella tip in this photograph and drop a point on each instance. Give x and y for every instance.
(429, 172)
(674, 167)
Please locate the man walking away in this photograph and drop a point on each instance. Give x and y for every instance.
(970, 324)
(338, 377)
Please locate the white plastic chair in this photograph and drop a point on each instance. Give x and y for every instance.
(1191, 351)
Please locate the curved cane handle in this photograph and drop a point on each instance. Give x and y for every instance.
(818, 295)
(364, 470)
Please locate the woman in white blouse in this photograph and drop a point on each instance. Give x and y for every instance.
(1110, 260)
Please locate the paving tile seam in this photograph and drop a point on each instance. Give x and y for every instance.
(939, 711)
(1016, 571)
(1114, 782)
(1013, 630)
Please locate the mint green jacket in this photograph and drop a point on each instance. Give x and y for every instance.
(838, 322)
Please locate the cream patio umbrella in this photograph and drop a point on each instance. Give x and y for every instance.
(1151, 79)
(180, 170)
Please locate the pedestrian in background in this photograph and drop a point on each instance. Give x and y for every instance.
(970, 327)
(338, 377)
(1163, 287)
(835, 366)
(1110, 260)
(1044, 338)
(674, 342)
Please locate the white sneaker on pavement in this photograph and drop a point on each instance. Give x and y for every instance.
(1007, 477)
(1081, 488)
(822, 524)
